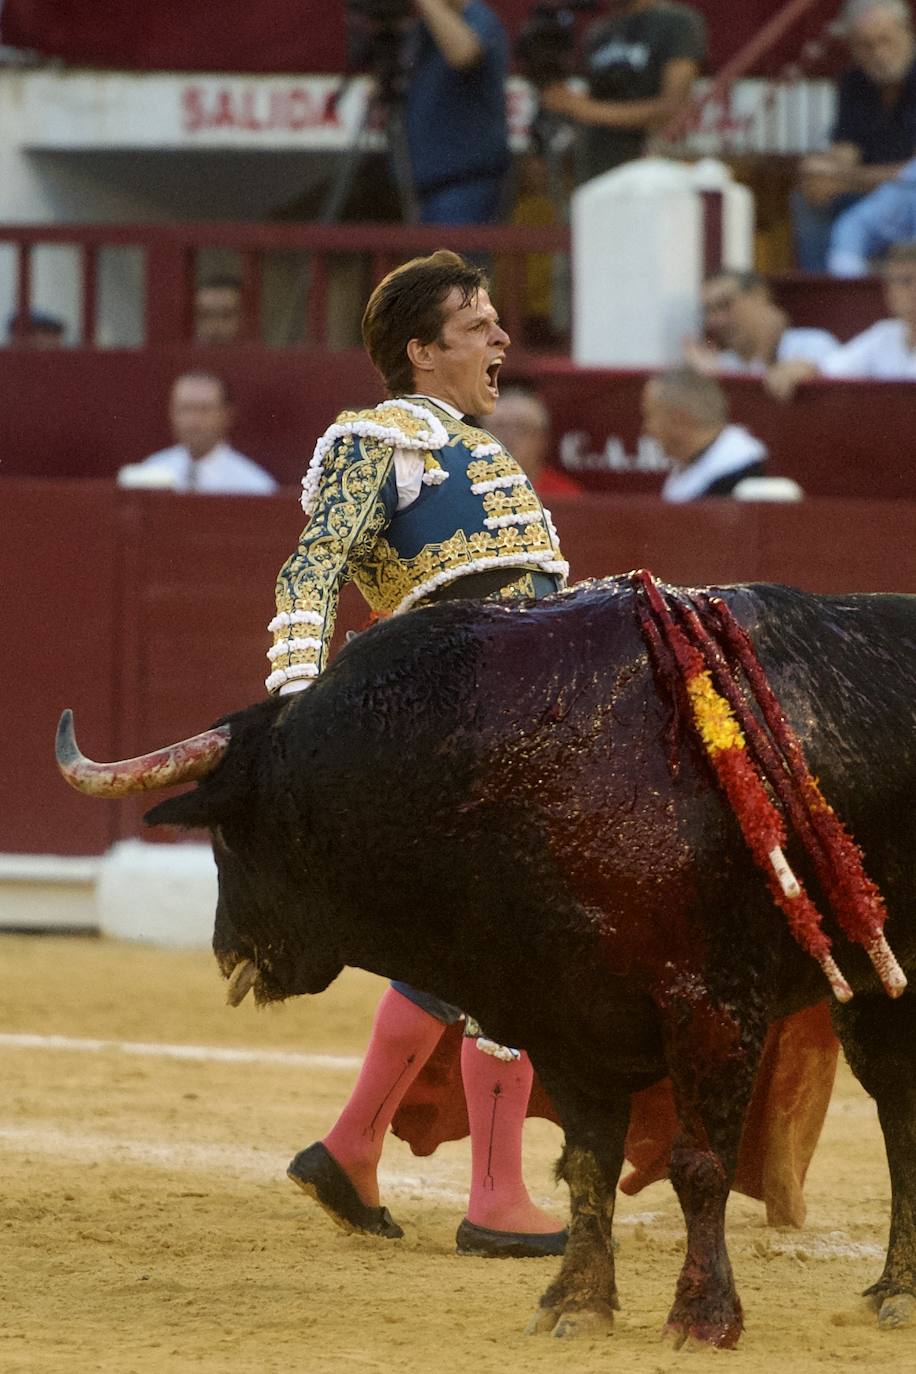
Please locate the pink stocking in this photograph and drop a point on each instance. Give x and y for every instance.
(403, 1038)
(497, 1098)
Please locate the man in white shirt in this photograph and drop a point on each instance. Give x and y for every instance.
(686, 414)
(746, 331)
(201, 460)
(886, 352)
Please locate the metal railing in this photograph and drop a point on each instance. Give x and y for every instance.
(778, 104)
(174, 259)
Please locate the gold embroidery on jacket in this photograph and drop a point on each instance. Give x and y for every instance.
(385, 579)
(341, 533)
(485, 469)
(344, 539)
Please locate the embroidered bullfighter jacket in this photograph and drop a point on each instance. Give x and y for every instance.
(403, 499)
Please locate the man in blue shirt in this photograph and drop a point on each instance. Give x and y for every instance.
(455, 112)
(875, 131)
(866, 231)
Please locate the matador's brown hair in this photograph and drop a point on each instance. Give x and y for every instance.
(408, 304)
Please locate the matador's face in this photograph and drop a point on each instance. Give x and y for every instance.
(462, 365)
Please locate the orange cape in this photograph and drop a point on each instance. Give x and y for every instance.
(781, 1129)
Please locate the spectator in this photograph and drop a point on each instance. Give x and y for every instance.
(875, 131)
(719, 293)
(36, 329)
(521, 423)
(640, 63)
(686, 413)
(884, 353)
(747, 331)
(863, 234)
(455, 112)
(201, 415)
(218, 311)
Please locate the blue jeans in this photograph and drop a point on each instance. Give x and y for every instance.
(811, 228)
(442, 1011)
(466, 202)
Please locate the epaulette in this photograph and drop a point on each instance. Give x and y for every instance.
(400, 423)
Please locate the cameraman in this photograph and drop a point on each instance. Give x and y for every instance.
(640, 63)
(455, 112)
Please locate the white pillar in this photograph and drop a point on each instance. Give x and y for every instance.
(162, 894)
(639, 255)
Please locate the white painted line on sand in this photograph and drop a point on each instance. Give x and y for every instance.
(195, 1157)
(833, 1245)
(212, 1053)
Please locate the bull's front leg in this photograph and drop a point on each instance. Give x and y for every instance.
(713, 1060)
(583, 1297)
(707, 1309)
(879, 1040)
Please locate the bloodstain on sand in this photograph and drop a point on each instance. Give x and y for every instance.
(146, 1223)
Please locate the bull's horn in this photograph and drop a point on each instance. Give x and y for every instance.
(241, 981)
(183, 762)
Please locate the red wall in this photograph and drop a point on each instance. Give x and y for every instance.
(845, 306)
(289, 36)
(106, 408)
(86, 412)
(837, 439)
(146, 613)
(59, 569)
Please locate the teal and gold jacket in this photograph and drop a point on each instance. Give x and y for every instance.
(475, 509)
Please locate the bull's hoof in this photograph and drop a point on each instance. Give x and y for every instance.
(892, 1309)
(899, 1310)
(583, 1324)
(702, 1335)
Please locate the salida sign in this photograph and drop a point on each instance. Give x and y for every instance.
(255, 108)
(314, 104)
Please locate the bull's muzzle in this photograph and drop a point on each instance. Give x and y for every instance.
(186, 761)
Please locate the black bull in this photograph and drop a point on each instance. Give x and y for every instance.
(501, 806)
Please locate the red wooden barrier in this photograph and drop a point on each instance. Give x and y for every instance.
(171, 251)
(59, 570)
(80, 412)
(147, 613)
(70, 413)
(837, 439)
(845, 307)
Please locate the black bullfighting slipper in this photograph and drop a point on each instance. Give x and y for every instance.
(319, 1175)
(479, 1240)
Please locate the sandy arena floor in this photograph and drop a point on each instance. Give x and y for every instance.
(147, 1223)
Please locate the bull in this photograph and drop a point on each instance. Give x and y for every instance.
(502, 804)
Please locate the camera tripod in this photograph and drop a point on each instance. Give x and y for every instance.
(385, 106)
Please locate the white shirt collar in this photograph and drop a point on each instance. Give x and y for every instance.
(733, 448)
(220, 450)
(437, 401)
(206, 464)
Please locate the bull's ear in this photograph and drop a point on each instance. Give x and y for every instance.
(188, 810)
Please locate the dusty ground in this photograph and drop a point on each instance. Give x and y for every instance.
(146, 1222)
